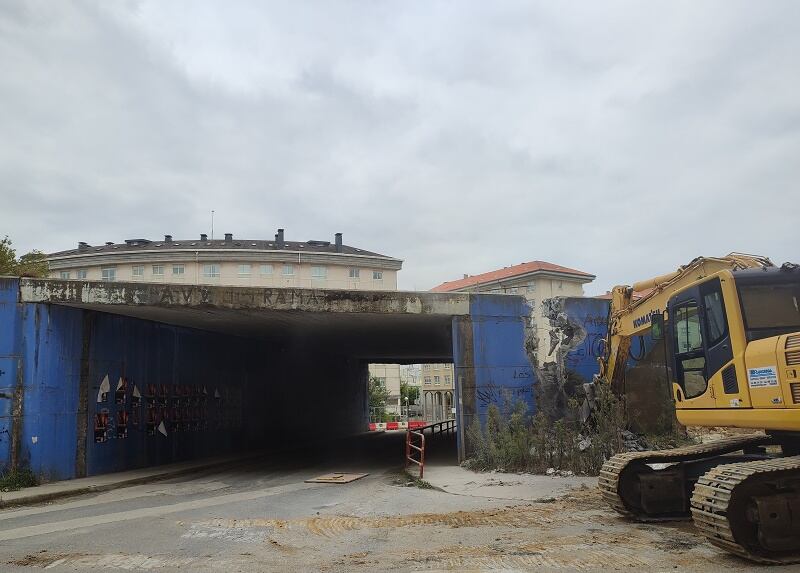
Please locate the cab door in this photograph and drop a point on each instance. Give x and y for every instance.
(690, 357)
(703, 356)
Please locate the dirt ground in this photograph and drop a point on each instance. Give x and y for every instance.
(573, 532)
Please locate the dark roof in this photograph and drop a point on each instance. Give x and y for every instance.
(509, 272)
(133, 245)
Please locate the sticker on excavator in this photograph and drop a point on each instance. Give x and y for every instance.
(762, 377)
(336, 478)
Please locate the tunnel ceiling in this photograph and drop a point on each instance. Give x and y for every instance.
(372, 325)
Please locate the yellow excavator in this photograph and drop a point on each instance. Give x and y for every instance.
(730, 330)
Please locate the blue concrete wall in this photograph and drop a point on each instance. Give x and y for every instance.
(591, 316)
(40, 360)
(491, 363)
(51, 352)
(9, 360)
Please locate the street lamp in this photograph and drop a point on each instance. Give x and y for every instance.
(407, 416)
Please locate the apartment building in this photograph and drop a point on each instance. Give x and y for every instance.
(231, 262)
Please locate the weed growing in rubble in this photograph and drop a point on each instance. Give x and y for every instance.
(12, 480)
(518, 442)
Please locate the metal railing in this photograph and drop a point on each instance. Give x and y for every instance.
(415, 442)
(446, 426)
(419, 447)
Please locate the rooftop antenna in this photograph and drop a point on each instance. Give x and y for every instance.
(212, 224)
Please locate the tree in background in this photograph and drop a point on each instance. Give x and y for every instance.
(378, 395)
(409, 392)
(32, 264)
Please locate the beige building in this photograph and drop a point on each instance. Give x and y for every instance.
(537, 281)
(229, 261)
(437, 392)
(389, 376)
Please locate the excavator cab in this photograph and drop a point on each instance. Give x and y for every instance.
(732, 341)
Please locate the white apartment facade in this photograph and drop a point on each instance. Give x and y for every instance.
(230, 262)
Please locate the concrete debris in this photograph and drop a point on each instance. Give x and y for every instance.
(632, 442)
(559, 473)
(584, 443)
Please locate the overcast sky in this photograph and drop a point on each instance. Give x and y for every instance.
(618, 138)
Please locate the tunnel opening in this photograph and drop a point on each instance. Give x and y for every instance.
(415, 398)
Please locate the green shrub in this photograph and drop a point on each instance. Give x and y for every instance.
(519, 442)
(12, 480)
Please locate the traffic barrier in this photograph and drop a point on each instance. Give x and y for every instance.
(383, 426)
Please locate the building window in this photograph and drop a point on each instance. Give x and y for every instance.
(109, 274)
(158, 270)
(266, 269)
(211, 271)
(137, 271)
(81, 273)
(381, 381)
(244, 270)
(437, 380)
(65, 275)
(178, 269)
(514, 290)
(532, 303)
(355, 273)
(288, 269)
(531, 287)
(427, 380)
(447, 379)
(319, 272)
(377, 275)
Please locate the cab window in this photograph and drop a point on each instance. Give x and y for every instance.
(690, 359)
(716, 324)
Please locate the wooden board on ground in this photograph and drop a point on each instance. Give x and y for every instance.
(336, 478)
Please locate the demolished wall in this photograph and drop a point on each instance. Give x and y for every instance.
(575, 327)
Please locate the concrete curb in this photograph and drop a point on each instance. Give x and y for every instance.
(71, 488)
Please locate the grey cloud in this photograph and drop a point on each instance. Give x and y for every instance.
(619, 138)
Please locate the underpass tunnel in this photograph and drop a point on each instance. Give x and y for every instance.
(110, 377)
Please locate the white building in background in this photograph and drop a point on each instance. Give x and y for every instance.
(230, 262)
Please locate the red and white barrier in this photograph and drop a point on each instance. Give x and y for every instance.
(383, 426)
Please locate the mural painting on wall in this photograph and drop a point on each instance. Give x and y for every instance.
(576, 329)
(163, 409)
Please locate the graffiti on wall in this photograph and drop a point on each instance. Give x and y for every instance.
(502, 395)
(576, 328)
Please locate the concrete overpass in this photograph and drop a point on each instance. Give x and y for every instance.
(100, 377)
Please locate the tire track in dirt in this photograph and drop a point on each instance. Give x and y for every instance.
(566, 510)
